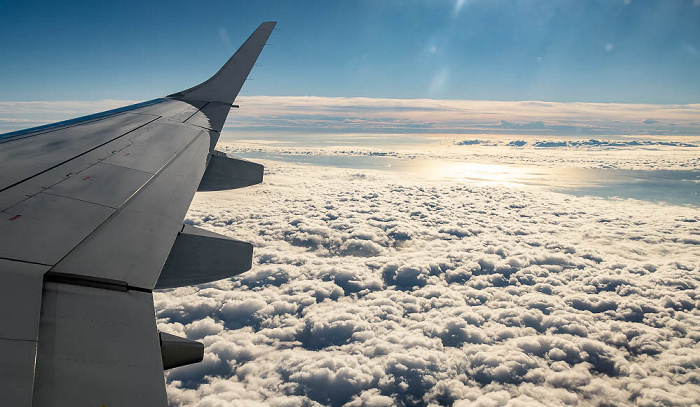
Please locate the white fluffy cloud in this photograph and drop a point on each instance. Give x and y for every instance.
(373, 289)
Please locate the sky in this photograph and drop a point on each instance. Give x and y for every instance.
(626, 51)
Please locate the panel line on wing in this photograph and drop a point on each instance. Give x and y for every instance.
(25, 261)
(198, 110)
(213, 102)
(77, 199)
(203, 128)
(79, 155)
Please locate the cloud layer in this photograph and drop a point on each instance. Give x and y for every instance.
(372, 289)
(356, 115)
(555, 152)
(449, 117)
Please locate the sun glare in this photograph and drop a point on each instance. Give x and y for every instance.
(495, 174)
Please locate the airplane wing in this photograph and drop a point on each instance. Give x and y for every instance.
(91, 213)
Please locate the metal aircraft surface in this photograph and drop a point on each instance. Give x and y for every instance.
(91, 213)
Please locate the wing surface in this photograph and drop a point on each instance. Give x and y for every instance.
(89, 211)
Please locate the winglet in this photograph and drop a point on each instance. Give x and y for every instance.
(224, 86)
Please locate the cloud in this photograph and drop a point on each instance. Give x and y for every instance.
(676, 154)
(439, 81)
(458, 7)
(433, 116)
(448, 294)
(225, 39)
(522, 126)
(371, 116)
(582, 144)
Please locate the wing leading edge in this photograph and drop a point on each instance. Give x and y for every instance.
(90, 210)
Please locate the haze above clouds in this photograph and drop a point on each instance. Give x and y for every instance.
(433, 116)
(430, 117)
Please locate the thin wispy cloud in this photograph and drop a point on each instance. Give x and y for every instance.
(459, 4)
(225, 39)
(440, 81)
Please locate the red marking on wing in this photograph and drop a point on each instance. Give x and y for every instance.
(126, 154)
(15, 217)
(86, 178)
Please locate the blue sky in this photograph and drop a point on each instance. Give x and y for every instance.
(562, 51)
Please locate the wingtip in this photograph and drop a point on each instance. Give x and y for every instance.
(224, 86)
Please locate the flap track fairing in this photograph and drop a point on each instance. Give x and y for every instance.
(178, 351)
(199, 256)
(226, 172)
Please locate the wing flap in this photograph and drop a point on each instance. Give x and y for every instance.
(97, 347)
(17, 371)
(21, 284)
